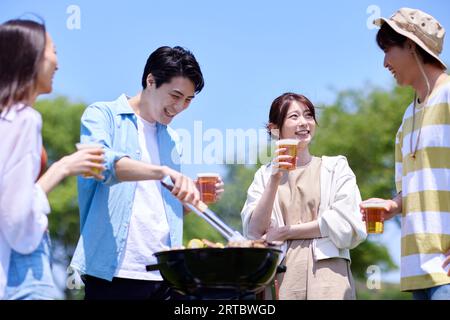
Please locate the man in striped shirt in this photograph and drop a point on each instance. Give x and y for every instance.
(412, 41)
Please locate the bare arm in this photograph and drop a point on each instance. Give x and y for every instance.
(51, 178)
(308, 230)
(79, 162)
(132, 170)
(260, 219)
(392, 207)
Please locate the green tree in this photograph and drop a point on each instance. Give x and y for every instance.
(362, 126)
(60, 131)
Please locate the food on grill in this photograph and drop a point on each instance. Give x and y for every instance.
(204, 243)
(219, 245)
(209, 244)
(195, 244)
(247, 244)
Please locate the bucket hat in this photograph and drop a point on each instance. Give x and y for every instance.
(420, 27)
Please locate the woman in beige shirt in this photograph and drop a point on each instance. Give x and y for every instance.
(313, 209)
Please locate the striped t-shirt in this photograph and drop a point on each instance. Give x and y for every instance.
(425, 186)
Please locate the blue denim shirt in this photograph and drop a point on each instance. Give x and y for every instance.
(106, 206)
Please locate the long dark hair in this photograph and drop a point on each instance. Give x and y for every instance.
(22, 45)
(280, 107)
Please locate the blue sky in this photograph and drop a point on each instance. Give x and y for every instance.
(250, 51)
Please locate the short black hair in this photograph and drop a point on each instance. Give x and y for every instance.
(166, 63)
(387, 37)
(22, 46)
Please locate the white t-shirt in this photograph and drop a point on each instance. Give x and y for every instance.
(148, 229)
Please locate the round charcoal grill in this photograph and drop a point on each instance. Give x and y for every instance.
(216, 273)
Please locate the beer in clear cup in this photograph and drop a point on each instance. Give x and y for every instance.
(291, 150)
(206, 183)
(374, 215)
(82, 146)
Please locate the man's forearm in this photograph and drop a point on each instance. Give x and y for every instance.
(132, 170)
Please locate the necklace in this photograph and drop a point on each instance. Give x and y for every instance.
(427, 82)
(413, 151)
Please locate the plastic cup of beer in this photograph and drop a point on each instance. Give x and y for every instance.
(82, 146)
(206, 183)
(374, 215)
(291, 150)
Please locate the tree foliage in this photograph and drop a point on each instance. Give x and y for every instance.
(60, 132)
(362, 126)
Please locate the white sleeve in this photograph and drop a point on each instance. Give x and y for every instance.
(24, 208)
(23, 204)
(399, 159)
(254, 194)
(342, 221)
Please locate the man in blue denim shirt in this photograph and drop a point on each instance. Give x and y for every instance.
(128, 216)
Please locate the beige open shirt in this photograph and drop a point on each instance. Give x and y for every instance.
(338, 215)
